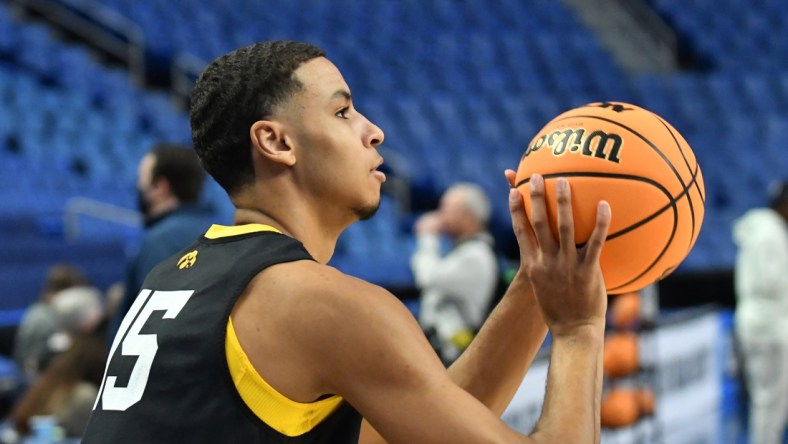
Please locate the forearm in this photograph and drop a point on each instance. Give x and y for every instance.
(574, 388)
(493, 366)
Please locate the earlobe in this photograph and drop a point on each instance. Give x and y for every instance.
(269, 141)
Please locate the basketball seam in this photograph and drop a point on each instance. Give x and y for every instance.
(671, 204)
(647, 141)
(678, 145)
(637, 224)
(697, 185)
(689, 201)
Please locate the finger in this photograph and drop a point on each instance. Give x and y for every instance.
(539, 220)
(522, 229)
(566, 225)
(510, 177)
(598, 236)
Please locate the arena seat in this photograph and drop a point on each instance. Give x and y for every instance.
(461, 107)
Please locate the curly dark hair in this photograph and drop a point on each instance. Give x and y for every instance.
(234, 91)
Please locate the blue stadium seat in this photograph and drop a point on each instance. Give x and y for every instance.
(459, 89)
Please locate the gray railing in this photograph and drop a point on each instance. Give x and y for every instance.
(651, 23)
(76, 207)
(106, 29)
(184, 71)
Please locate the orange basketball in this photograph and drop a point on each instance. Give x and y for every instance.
(620, 357)
(646, 400)
(619, 408)
(625, 310)
(642, 166)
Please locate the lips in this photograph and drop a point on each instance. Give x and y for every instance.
(378, 174)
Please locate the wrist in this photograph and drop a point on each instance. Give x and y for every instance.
(591, 331)
(520, 279)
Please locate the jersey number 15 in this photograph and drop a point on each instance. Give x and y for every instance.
(143, 346)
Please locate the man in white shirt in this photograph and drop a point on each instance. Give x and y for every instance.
(761, 318)
(456, 289)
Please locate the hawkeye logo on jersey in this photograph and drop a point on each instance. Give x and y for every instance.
(188, 260)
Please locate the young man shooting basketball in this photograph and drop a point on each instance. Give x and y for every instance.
(250, 337)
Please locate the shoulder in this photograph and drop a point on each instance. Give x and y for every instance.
(324, 319)
(311, 289)
(180, 224)
(759, 226)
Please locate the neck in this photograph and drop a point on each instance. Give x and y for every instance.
(162, 207)
(294, 218)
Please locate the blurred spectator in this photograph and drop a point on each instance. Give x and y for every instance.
(761, 317)
(67, 389)
(113, 298)
(169, 182)
(40, 322)
(456, 288)
(79, 310)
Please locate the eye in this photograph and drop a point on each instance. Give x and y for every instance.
(342, 113)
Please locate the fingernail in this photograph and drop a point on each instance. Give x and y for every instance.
(513, 195)
(535, 180)
(604, 208)
(563, 185)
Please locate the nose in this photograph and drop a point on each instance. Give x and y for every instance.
(375, 135)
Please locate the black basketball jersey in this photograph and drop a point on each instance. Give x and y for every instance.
(168, 380)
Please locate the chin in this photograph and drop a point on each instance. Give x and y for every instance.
(366, 212)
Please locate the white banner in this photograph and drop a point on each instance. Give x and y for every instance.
(687, 382)
(526, 406)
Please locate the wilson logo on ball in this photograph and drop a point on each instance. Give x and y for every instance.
(575, 140)
(646, 171)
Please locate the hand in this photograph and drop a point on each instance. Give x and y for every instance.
(428, 223)
(567, 280)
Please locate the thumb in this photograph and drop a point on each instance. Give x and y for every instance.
(510, 176)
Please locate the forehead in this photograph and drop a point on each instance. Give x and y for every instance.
(453, 197)
(145, 167)
(320, 79)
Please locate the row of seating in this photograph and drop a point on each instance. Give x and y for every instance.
(459, 89)
(730, 34)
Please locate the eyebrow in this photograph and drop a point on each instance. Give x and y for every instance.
(343, 94)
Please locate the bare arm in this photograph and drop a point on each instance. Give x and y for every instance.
(494, 365)
(574, 387)
(572, 297)
(369, 349)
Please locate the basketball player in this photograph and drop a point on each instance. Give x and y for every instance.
(247, 336)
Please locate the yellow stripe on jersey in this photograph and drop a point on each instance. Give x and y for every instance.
(219, 231)
(282, 414)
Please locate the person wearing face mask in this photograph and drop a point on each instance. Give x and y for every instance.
(169, 185)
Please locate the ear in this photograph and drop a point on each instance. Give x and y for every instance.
(162, 185)
(268, 140)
